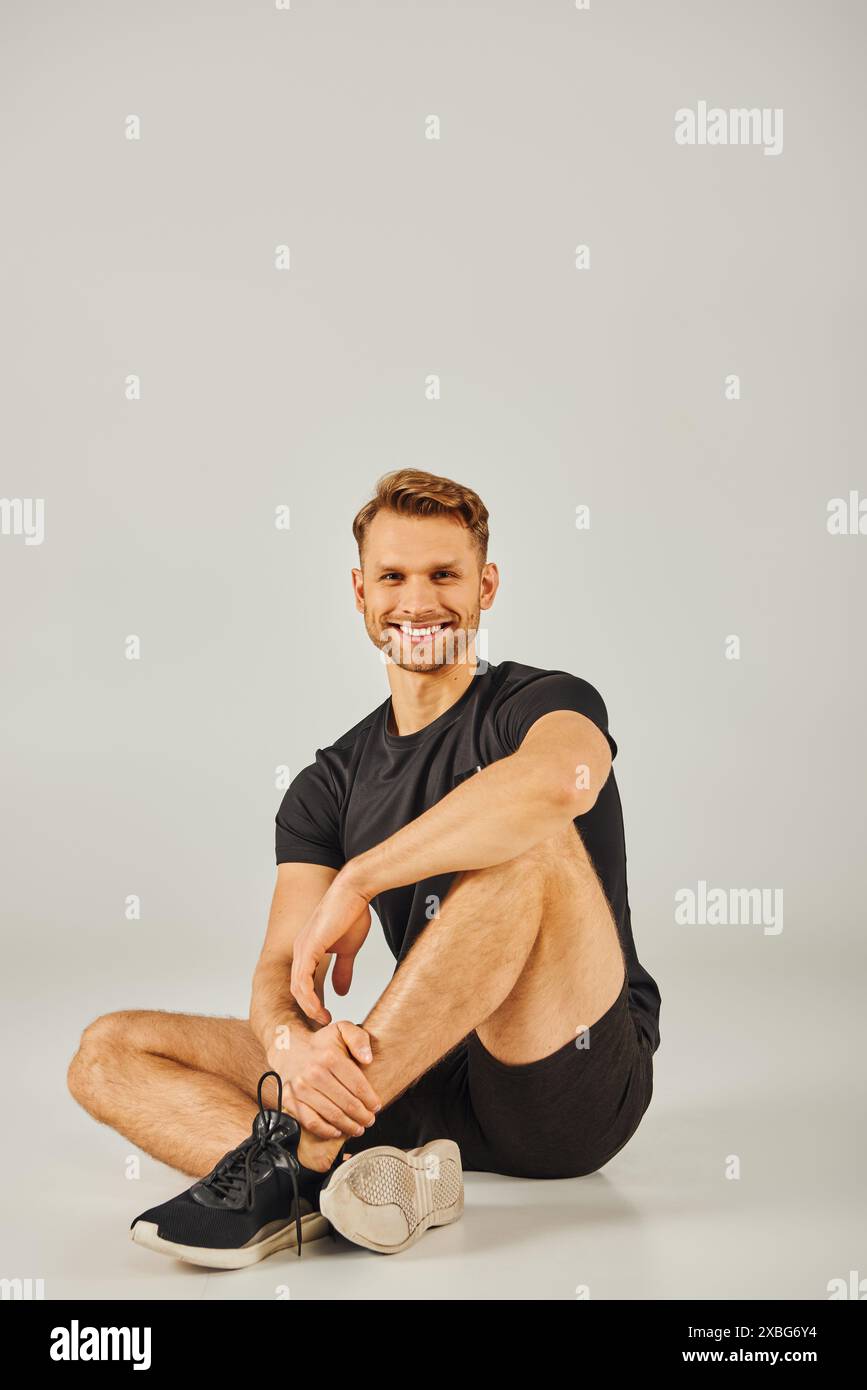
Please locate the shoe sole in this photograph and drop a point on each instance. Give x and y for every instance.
(386, 1198)
(146, 1233)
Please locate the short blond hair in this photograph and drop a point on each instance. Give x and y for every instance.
(412, 492)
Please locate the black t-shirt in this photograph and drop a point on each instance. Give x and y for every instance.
(370, 783)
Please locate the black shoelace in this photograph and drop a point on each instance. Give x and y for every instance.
(239, 1172)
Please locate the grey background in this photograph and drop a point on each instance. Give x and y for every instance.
(603, 387)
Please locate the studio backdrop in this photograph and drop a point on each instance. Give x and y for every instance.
(604, 264)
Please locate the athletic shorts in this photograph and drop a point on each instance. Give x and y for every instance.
(563, 1116)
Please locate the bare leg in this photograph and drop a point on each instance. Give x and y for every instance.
(181, 1087)
(526, 952)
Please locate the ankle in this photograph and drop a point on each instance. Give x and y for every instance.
(318, 1154)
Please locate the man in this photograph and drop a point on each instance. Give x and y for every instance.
(477, 811)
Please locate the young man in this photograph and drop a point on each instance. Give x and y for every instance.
(477, 811)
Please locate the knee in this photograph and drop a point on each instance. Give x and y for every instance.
(99, 1039)
(548, 854)
(531, 870)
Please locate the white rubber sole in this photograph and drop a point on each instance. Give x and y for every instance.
(313, 1227)
(385, 1198)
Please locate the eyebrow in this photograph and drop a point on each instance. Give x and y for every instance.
(440, 565)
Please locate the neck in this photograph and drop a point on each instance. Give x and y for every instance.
(416, 699)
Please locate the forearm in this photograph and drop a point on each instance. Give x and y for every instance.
(494, 816)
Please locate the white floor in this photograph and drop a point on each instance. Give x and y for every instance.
(775, 1080)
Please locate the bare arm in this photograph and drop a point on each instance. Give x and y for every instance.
(507, 808)
(321, 1064)
(298, 889)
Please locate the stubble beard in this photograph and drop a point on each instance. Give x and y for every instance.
(450, 648)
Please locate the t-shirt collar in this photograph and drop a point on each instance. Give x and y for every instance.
(442, 720)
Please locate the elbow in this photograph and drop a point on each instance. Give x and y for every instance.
(577, 802)
(580, 792)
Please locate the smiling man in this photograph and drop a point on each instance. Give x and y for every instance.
(476, 811)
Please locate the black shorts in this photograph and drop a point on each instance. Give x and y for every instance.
(562, 1116)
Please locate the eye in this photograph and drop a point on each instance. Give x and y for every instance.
(396, 574)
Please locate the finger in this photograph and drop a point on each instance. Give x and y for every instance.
(303, 991)
(356, 1039)
(328, 1111)
(308, 1118)
(314, 1124)
(352, 1078)
(300, 981)
(323, 1078)
(332, 1080)
(341, 975)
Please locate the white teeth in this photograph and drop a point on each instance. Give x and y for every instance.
(420, 631)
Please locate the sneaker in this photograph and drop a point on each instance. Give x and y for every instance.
(258, 1199)
(385, 1198)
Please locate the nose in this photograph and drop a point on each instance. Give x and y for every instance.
(418, 599)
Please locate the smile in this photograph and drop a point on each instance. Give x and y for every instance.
(417, 633)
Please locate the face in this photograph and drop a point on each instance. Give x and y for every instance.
(422, 590)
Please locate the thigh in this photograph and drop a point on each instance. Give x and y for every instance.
(575, 969)
(225, 1047)
(567, 1114)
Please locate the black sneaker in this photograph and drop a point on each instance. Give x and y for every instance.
(258, 1199)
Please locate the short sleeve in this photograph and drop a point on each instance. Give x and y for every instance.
(307, 825)
(553, 690)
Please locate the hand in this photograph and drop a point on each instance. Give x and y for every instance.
(329, 1095)
(339, 925)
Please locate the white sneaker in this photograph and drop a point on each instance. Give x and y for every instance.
(385, 1198)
